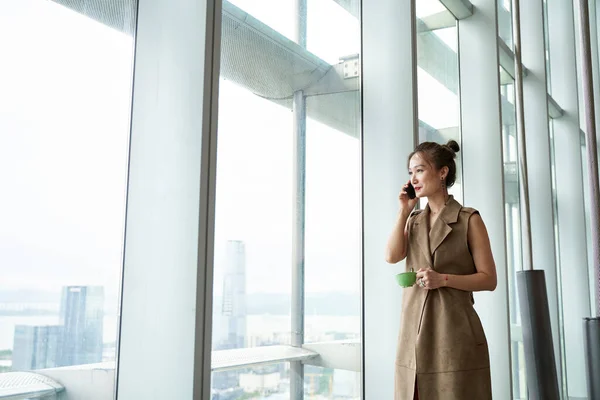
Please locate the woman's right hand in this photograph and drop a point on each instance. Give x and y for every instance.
(406, 204)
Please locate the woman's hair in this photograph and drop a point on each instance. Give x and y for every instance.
(439, 155)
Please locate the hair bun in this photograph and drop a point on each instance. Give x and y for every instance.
(453, 145)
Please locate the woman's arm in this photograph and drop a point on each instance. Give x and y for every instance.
(397, 243)
(483, 279)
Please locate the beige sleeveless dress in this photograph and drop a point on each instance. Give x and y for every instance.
(441, 343)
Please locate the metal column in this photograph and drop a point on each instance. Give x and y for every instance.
(521, 144)
(590, 140)
(299, 185)
(591, 325)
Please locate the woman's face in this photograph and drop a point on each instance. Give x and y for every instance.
(423, 176)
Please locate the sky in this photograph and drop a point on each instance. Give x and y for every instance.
(64, 125)
(64, 116)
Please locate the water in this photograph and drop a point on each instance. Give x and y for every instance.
(7, 327)
(259, 327)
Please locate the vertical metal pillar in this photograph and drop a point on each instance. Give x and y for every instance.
(521, 144)
(591, 325)
(590, 140)
(299, 185)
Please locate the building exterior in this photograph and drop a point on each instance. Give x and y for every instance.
(234, 294)
(81, 316)
(36, 347)
(264, 383)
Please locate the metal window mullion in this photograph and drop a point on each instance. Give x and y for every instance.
(208, 182)
(299, 215)
(590, 134)
(521, 143)
(297, 320)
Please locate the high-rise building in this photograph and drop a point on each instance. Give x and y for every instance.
(35, 347)
(234, 294)
(81, 315)
(233, 310)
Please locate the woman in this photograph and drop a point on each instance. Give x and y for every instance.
(442, 350)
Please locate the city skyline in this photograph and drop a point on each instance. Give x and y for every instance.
(76, 339)
(81, 316)
(67, 169)
(234, 307)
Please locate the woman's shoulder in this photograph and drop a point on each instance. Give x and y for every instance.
(469, 210)
(464, 211)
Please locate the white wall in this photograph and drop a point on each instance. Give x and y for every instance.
(483, 173)
(167, 279)
(389, 122)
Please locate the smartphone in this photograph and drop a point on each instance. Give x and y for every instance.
(410, 191)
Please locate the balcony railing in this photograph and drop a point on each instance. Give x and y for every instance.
(99, 378)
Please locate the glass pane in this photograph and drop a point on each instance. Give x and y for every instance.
(333, 189)
(65, 106)
(426, 8)
(332, 45)
(286, 111)
(513, 234)
(505, 22)
(547, 48)
(279, 15)
(438, 84)
(561, 337)
(253, 224)
(321, 40)
(333, 240)
(329, 383)
(268, 382)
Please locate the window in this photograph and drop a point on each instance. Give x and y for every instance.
(256, 383)
(64, 132)
(513, 235)
(287, 224)
(329, 383)
(505, 22)
(561, 323)
(438, 80)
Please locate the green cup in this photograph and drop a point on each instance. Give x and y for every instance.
(406, 279)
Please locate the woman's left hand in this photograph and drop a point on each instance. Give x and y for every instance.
(427, 278)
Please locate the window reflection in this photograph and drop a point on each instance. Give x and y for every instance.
(64, 129)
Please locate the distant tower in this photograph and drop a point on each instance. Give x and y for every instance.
(234, 294)
(35, 347)
(82, 316)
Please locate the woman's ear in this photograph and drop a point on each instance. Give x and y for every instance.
(444, 171)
